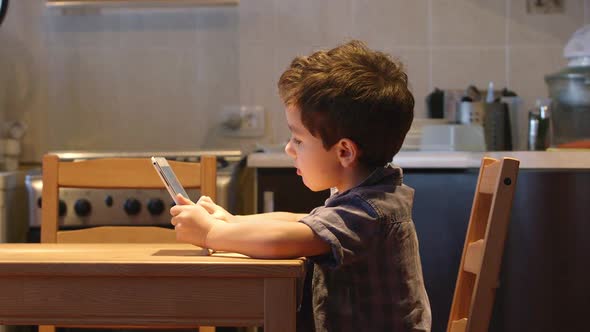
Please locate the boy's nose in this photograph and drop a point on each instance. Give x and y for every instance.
(289, 149)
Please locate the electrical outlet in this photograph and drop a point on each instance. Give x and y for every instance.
(544, 6)
(242, 121)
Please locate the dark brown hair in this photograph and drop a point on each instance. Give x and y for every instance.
(352, 92)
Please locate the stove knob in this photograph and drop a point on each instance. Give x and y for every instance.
(82, 207)
(155, 206)
(132, 206)
(62, 208)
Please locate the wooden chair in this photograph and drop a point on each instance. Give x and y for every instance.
(114, 173)
(484, 244)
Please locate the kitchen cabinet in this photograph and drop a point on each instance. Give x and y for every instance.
(281, 189)
(544, 277)
(137, 3)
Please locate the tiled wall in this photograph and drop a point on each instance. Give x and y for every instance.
(157, 79)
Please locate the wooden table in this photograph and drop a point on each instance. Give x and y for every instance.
(144, 285)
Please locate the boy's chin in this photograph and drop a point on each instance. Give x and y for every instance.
(314, 188)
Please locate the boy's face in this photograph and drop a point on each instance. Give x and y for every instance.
(319, 168)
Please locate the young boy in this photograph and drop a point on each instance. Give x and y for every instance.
(348, 110)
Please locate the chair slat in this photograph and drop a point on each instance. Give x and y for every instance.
(123, 173)
(474, 256)
(458, 325)
(118, 234)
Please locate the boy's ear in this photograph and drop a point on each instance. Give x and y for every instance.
(348, 152)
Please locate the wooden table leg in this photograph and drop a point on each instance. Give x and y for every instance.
(279, 305)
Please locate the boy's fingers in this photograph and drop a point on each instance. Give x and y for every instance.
(205, 199)
(183, 200)
(178, 209)
(175, 210)
(207, 206)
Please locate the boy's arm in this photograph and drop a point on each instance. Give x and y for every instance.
(266, 239)
(261, 239)
(220, 213)
(269, 216)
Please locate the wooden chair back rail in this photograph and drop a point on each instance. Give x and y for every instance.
(484, 245)
(115, 173)
(117, 234)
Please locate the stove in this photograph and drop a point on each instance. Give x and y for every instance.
(82, 207)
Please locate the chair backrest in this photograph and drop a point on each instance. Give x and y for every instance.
(484, 244)
(115, 173)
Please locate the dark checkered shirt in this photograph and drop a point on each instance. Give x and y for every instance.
(372, 278)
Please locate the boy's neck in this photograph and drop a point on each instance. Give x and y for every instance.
(352, 177)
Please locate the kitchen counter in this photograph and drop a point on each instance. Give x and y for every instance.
(445, 160)
(546, 246)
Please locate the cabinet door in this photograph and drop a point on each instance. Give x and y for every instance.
(288, 191)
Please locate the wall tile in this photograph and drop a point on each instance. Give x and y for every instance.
(315, 23)
(141, 70)
(468, 22)
(257, 77)
(552, 29)
(415, 61)
(457, 68)
(530, 84)
(95, 30)
(257, 21)
(391, 23)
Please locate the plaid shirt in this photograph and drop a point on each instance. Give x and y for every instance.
(372, 278)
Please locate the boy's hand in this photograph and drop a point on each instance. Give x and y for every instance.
(192, 223)
(215, 210)
(183, 200)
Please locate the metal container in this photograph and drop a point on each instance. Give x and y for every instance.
(539, 137)
(470, 113)
(570, 91)
(496, 126)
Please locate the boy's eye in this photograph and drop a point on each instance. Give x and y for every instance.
(295, 141)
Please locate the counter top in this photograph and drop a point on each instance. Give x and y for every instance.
(432, 159)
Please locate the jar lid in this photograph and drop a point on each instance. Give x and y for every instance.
(570, 73)
(579, 44)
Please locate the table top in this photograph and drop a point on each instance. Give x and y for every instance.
(159, 259)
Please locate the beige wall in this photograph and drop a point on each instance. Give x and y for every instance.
(157, 79)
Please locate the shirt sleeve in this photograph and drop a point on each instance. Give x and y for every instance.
(348, 227)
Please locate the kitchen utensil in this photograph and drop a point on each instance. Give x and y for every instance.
(540, 127)
(473, 93)
(518, 120)
(435, 104)
(497, 127)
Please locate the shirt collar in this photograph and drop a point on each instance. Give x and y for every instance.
(377, 176)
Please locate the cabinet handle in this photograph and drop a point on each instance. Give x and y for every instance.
(268, 204)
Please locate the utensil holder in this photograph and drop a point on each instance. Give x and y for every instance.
(497, 127)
